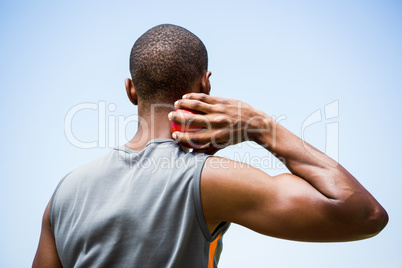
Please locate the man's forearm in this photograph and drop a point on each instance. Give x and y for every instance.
(323, 173)
(303, 159)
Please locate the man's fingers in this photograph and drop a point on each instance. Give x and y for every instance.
(196, 105)
(190, 119)
(204, 139)
(205, 98)
(201, 97)
(194, 139)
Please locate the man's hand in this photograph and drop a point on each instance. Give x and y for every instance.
(226, 122)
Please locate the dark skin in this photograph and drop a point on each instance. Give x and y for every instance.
(320, 201)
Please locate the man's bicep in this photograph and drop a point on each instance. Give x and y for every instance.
(284, 206)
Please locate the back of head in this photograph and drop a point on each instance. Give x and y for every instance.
(165, 62)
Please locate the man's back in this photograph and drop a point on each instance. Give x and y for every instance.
(134, 209)
(154, 208)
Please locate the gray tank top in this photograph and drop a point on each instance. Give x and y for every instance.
(135, 209)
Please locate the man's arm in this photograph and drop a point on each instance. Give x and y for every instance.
(320, 201)
(46, 254)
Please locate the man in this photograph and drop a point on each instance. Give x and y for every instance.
(123, 211)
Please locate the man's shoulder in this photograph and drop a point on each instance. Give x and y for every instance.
(94, 166)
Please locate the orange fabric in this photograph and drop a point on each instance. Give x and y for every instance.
(212, 249)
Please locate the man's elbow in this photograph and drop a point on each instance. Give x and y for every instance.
(363, 218)
(376, 221)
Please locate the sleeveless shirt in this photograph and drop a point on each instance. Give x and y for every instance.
(135, 209)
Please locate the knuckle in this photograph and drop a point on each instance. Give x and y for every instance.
(207, 121)
(224, 101)
(221, 120)
(218, 136)
(203, 96)
(194, 140)
(178, 117)
(185, 118)
(197, 104)
(174, 116)
(189, 119)
(221, 136)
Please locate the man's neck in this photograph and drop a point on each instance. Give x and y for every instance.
(151, 125)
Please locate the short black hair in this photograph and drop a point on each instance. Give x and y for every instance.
(165, 62)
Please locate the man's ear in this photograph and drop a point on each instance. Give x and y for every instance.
(205, 84)
(131, 92)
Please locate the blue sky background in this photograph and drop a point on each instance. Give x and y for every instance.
(287, 58)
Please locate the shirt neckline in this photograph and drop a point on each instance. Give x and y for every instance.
(129, 150)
